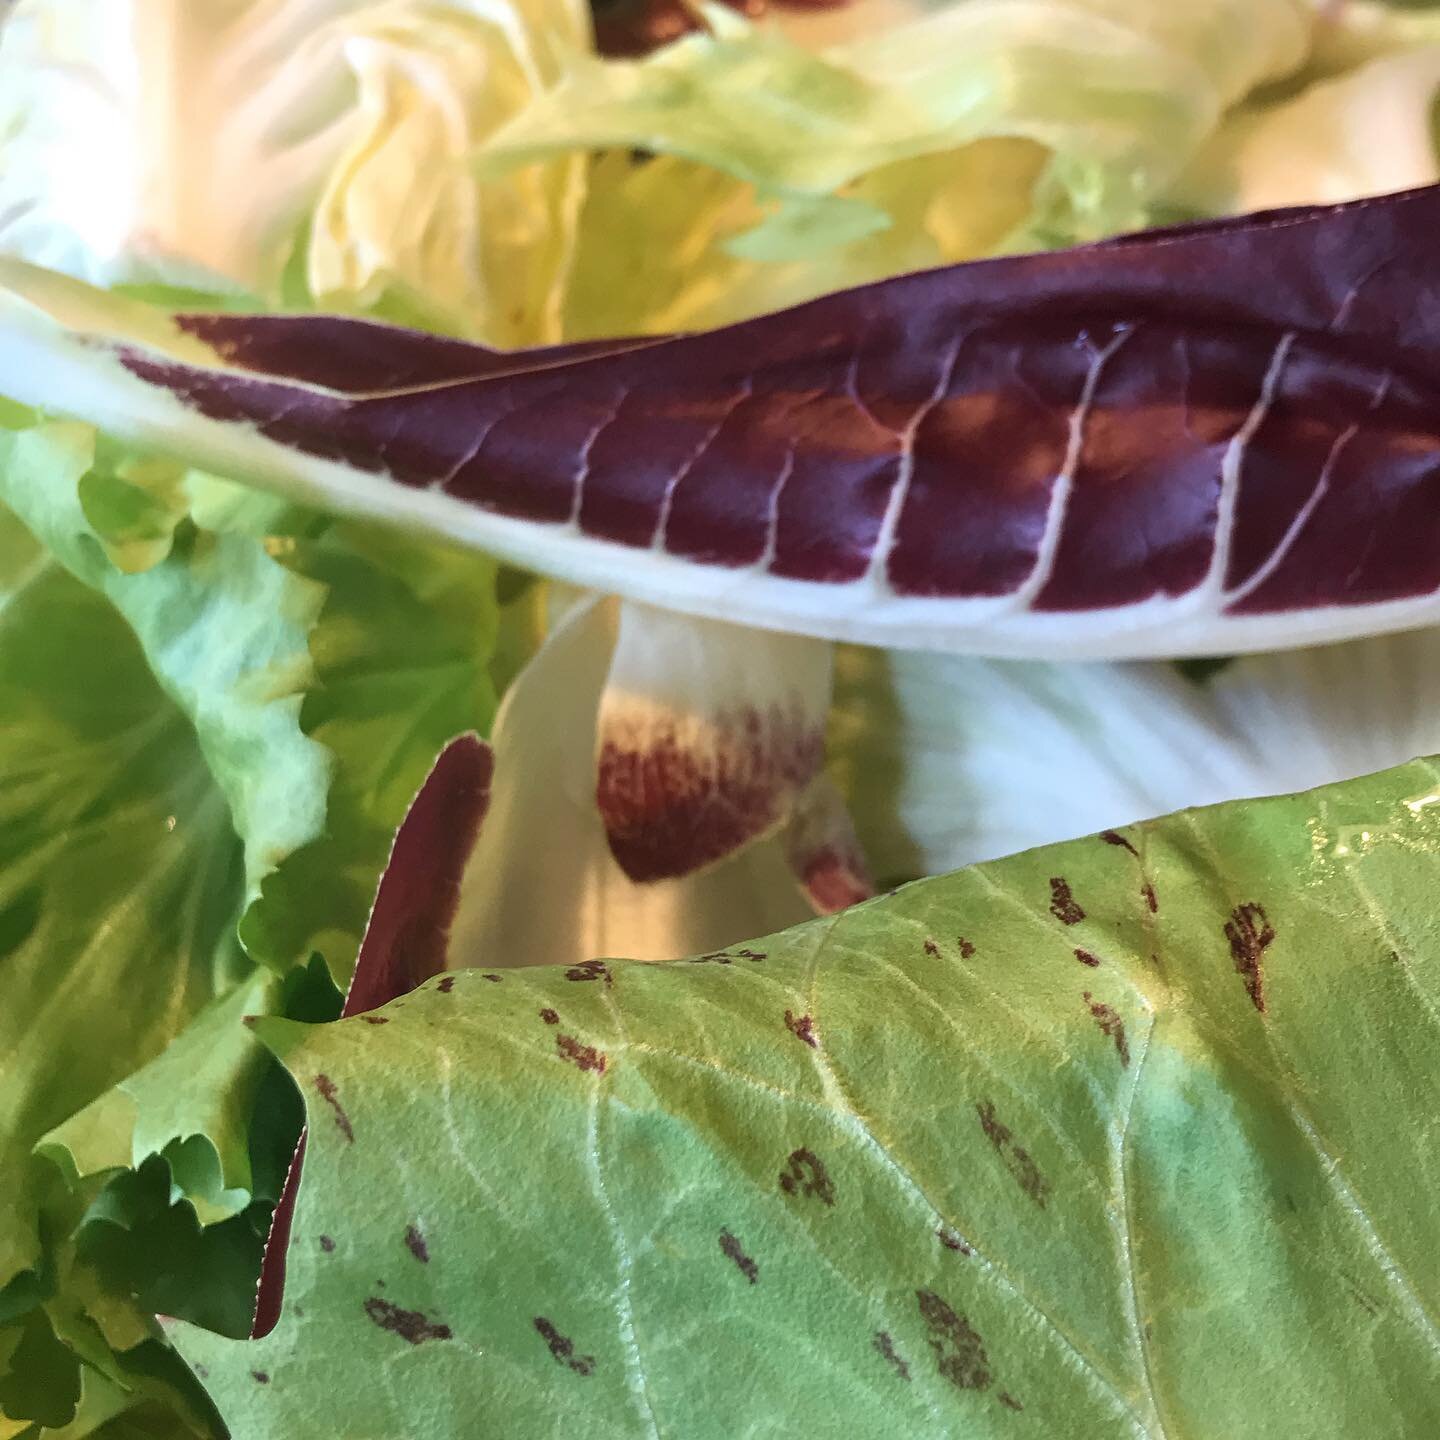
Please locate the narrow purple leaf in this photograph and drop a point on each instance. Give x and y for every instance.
(405, 941)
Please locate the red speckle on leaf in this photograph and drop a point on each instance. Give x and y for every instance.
(1113, 837)
(1062, 902)
(1111, 1025)
(732, 1249)
(951, 1241)
(1086, 958)
(327, 1244)
(376, 1020)
(585, 1057)
(885, 1346)
(446, 985)
(1009, 1401)
(959, 1351)
(590, 970)
(491, 976)
(562, 1348)
(1148, 891)
(931, 948)
(260, 1377)
(1017, 1160)
(802, 1027)
(805, 1174)
(326, 1086)
(966, 948)
(727, 957)
(415, 1244)
(1250, 934)
(549, 1016)
(410, 1325)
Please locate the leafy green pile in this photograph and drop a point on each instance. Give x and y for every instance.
(215, 707)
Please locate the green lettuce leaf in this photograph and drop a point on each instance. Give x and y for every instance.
(973, 128)
(1127, 1136)
(243, 149)
(224, 627)
(121, 880)
(171, 1084)
(402, 653)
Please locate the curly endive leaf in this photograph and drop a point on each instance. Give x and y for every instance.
(1123, 1137)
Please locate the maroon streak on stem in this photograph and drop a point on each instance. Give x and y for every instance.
(669, 808)
(1268, 447)
(405, 940)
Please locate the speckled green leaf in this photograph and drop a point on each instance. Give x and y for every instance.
(1131, 1136)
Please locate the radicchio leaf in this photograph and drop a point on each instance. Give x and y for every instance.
(1200, 440)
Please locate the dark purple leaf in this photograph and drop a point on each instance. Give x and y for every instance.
(1227, 432)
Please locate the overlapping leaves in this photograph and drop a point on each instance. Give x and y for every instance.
(1050, 1144)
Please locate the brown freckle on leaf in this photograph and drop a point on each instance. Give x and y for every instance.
(549, 1016)
(1086, 958)
(1017, 1160)
(1111, 1025)
(1250, 935)
(1009, 1401)
(802, 1027)
(966, 948)
(562, 1348)
(959, 1351)
(326, 1086)
(931, 948)
(585, 1057)
(1148, 891)
(886, 1347)
(732, 1248)
(446, 985)
(805, 1174)
(260, 1377)
(1113, 837)
(415, 1244)
(951, 1241)
(327, 1244)
(591, 970)
(376, 1020)
(409, 1325)
(1062, 902)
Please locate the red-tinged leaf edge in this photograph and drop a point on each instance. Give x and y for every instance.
(405, 940)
